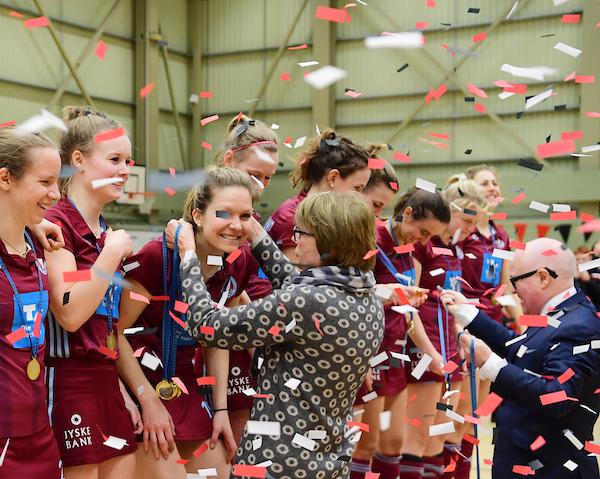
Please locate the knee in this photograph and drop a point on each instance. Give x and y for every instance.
(366, 447)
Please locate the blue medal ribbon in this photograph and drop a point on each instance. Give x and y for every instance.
(473, 381)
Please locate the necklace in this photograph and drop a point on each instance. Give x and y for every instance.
(22, 253)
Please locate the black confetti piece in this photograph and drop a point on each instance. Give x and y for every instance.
(548, 138)
(473, 10)
(66, 297)
(548, 35)
(403, 67)
(443, 407)
(519, 114)
(468, 152)
(560, 107)
(469, 212)
(531, 164)
(469, 99)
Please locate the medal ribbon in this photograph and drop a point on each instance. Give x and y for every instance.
(473, 381)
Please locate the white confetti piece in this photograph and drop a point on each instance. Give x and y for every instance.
(105, 182)
(396, 40)
(383, 291)
(522, 350)
(506, 300)
(304, 442)
(291, 325)
(542, 207)
(590, 148)
(194, 98)
(437, 272)
(503, 254)
(535, 73)
(573, 439)
(115, 442)
(404, 308)
(214, 260)
(439, 429)
(39, 123)
(515, 340)
(292, 383)
(380, 358)
(317, 435)
(385, 420)
(570, 465)
(137, 329)
(325, 76)
(274, 126)
(369, 397)
(299, 143)
(4, 451)
(454, 416)
(257, 443)
(584, 348)
(209, 472)
(537, 99)
(130, 266)
(308, 64)
(250, 392)
(400, 356)
(151, 361)
(425, 185)
(560, 207)
(421, 367)
(595, 263)
(264, 428)
(568, 49)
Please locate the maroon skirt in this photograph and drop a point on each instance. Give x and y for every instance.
(85, 408)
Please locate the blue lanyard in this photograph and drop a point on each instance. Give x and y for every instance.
(391, 268)
(109, 295)
(172, 287)
(33, 341)
(473, 381)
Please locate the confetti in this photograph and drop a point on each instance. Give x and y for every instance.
(101, 49)
(145, 91)
(36, 22)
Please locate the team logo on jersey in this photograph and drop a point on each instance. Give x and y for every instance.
(268, 224)
(26, 318)
(78, 436)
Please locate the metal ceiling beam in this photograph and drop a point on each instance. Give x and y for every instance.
(84, 54)
(63, 53)
(282, 47)
(196, 31)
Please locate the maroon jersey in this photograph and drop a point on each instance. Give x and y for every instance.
(23, 401)
(431, 260)
(282, 221)
(233, 277)
(80, 241)
(395, 323)
(483, 271)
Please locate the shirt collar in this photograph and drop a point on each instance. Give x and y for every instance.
(558, 299)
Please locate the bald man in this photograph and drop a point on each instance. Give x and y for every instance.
(548, 377)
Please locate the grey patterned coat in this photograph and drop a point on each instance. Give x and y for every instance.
(318, 328)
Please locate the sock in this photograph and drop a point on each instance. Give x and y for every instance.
(359, 467)
(463, 466)
(450, 454)
(411, 467)
(388, 467)
(433, 466)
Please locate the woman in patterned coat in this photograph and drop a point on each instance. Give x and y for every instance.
(319, 329)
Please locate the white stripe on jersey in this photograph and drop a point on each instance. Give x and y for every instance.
(50, 382)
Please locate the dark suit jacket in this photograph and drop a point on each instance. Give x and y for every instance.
(521, 417)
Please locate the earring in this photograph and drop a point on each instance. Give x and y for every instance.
(331, 185)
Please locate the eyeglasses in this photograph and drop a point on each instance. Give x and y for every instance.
(514, 280)
(297, 233)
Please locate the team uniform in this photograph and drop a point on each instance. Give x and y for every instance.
(432, 259)
(481, 270)
(191, 412)
(282, 221)
(85, 404)
(27, 444)
(389, 378)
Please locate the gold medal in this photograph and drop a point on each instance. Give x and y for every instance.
(167, 390)
(33, 369)
(111, 341)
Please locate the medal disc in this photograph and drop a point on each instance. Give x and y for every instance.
(33, 369)
(165, 390)
(111, 341)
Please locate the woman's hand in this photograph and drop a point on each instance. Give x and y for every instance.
(48, 234)
(185, 240)
(369, 380)
(437, 363)
(222, 427)
(253, 229)
(136, 418)
(159, 429)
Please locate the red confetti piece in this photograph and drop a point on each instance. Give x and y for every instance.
(450, 367)
(586, 217)
(336, 15)
(401, 296)
(437, 93)
(298, 47)
(422, 25)
(206, 381)
(517, 199)
(177, 320)
(517, 244)
(372, 475)
(570, 18)
(563, 215)
(571, 135)
(201, 449)
(145, 91)
(285, 77)
(235, 254)
(8, 123)
(274, 330)
(206, 94)
(556, 148)
(160, 298)
(181, 307)
(476, 91)
(542, 230)
(549, 252)
(591, 447)
(442, 136)
(394, 185)
(182, 461)
(138, 297)
(430, 3)
(376, 164)
(589, 114)
(36, 22)
(37, 325)
(533, 320)
(138, 352)
(109, 135)
(488, 406)
(207, 330)
(79, 275)
(101, 49)
(442, 251)
(539, 442)
(499, 216)
(16, 335)
(208, 119)
(109, 353)
(370, 254)
(472, 439)
(169, 191)
(471, 419)
(352, 93)
(517, 88)
(207, 145)
(363, 426)
(479, 37)
(479, 107)
(405, 248)
(523, 470)
(564, 377)
(317, 322)
(401, 157)
(249, 471)
(552, 398)
(172, 171)
(15, 14)
(585, 79)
